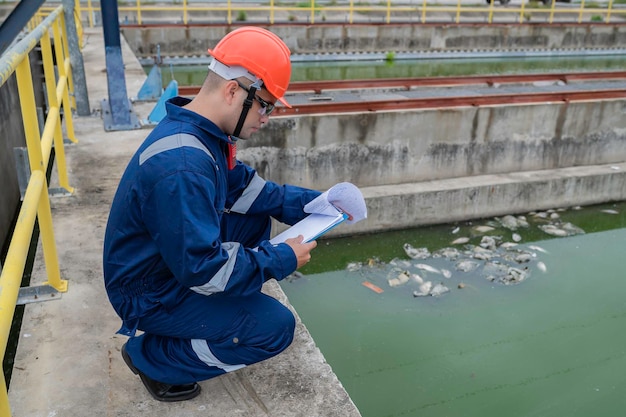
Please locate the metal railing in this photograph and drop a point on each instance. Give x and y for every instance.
(36, 204)
(354, 11)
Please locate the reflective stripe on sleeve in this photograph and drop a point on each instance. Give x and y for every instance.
(220, 280)
(252, 191)
(201, 348)
(173, 142)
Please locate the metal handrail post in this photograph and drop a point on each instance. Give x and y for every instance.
(33, 143)
(580, 12)
(54, 113)
(138, 12)
(90, 11)
(521, 13)
(551, 19)
(63, 67)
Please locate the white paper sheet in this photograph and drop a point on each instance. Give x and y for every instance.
(345, 197)
(311, 227)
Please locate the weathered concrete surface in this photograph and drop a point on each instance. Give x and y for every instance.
(68, 361)
(181, 40)
(396, 147)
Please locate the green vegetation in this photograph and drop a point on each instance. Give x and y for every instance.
(390, 57)
(597, 18)
(242, 16)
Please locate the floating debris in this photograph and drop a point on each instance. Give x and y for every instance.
(610, 211)
(438, 290)
(537, 248)
(456, 230)
(402, 278)
(515, 276)
(542, 267)
(460, 286)
(561, 229)
(446, 273)
(354, 266)
(488, 242)
(509, 222)
(466, 265)
(416, 253)
(373, 287)
(508, 245)
(400, 263)
(478, 252)
(516, 237)
(460, 241)
(552, 230)
(424, 289)
(417, 278)
(374, 262)
(448, 253)
(495, 271)
(522, 222)
(428, 268)
(483, 229)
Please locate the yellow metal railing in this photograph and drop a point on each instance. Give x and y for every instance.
(352, 11)
(36, 204)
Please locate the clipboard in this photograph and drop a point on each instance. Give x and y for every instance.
(311, 227)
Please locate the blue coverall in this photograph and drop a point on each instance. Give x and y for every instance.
(186, 252)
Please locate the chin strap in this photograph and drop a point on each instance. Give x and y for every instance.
(247, 104)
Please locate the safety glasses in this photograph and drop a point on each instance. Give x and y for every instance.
(266, 107)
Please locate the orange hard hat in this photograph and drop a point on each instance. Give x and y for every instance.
(260, 52)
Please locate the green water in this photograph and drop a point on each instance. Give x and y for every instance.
(341, 70)
(553, 345)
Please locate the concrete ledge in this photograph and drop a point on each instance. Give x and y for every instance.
(442, 201)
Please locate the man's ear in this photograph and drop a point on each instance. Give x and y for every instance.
(230, 88)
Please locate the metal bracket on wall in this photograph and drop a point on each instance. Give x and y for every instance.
(37, 294)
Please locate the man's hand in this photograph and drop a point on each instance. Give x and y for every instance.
(301, 250)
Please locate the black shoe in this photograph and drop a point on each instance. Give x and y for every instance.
(159, 390)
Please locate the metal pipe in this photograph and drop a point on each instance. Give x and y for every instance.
(12, 58)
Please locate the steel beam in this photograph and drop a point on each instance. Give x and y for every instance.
(16, 21)
(76, 61)
(117, 110)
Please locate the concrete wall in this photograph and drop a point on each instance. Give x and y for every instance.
(399, 147)
(332, 38)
